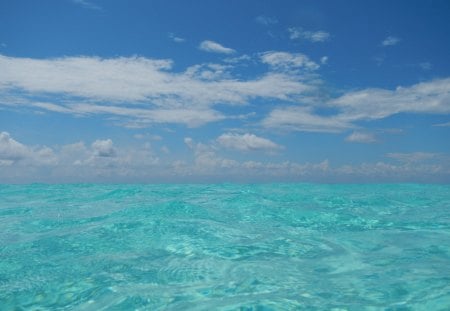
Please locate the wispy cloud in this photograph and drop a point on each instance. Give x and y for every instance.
(304, 119)
(266, 20)
(426, 65)
(139, 90)
(445, 124)
(361, 137)
(313, 36)
(175, 38)
(214, 47)
(242, 59)
(370, 104)
(389, 41)
(87, 4)
(412, 157)
(365, 105)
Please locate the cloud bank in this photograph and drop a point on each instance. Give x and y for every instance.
(103, 161)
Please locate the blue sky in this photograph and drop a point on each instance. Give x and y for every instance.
(217, 91)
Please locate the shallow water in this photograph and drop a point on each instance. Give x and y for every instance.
(224, 247)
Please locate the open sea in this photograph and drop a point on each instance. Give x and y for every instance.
(225, 247)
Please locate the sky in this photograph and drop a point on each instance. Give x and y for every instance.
(224, 91)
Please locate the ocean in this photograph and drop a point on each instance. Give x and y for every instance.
(225, 247)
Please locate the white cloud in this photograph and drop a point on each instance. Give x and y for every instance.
(10, 149)
(130, 79)
(209, 72)
(365, 105)
(313, 36)
(242, 59)
(189, 142)
(390, 41)
(288, 61)
(79, 162)
(324, 60)
(143, 117)
(147, 136)
(104, 148)
(360, 137)
(371, 104)
(304, 119)
(12, 152)
(206, 160)
(142, 90)
(246, 142)
(214, 47)
(76, 162)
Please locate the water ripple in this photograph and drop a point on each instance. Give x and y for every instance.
(224, 247)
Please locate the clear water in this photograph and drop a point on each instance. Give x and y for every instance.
(225, 247)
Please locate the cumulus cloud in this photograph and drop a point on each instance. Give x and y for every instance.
(104, 148)
(246, 142)
(214, 47)
(361, 137)
(10, 149)
(12, 152)
(77, 162)
(313, 36)
(80, 162)
(389, 41)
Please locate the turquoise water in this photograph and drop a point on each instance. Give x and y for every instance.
(225, 247)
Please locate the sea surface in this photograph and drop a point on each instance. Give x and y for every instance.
(225, 247)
